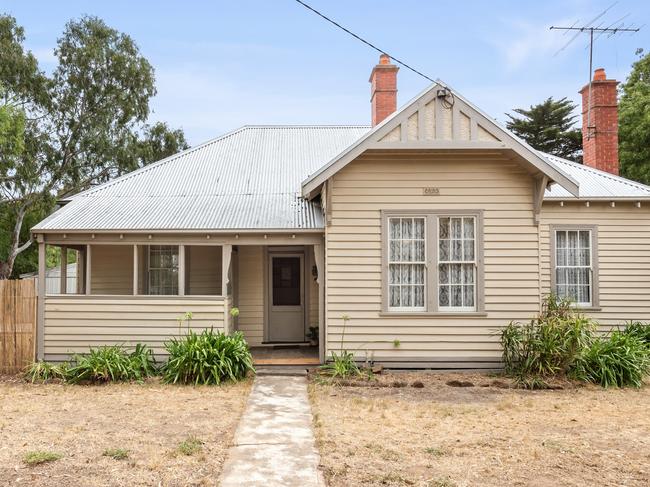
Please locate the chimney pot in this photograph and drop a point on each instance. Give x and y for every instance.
(600, 123)
(383, 89)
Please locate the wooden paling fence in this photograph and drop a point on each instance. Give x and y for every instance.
(18, 311)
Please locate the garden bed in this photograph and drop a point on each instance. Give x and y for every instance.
(388, 432)
(116, 434)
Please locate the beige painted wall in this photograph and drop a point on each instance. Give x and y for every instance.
(499, 187)
(312, 316)
(516, 256)
(203, 270)
(251, 293)
(623, 260)
(73, 324)
(111, 269)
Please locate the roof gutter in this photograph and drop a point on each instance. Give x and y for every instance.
(180, 231)
(597, 198)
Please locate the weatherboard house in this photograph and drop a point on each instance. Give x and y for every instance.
(412, 240)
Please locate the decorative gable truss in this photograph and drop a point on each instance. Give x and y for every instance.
(441, 119)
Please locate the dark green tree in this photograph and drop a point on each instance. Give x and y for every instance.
(549, 127)
(159, 142)
(634, 122)
(83, 125)
(155, 142)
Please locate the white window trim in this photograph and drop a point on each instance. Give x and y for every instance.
(408, 309)
(595, 280)
(590, 267)
(432, 307)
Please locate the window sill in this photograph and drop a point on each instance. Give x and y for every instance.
(441, 314)
(587, 308)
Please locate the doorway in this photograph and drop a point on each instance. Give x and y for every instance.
(286, 297)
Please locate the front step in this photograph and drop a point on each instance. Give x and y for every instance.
(284, 361)
(282, 370)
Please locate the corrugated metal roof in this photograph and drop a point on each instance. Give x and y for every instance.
(246, 179)
(594, 184)
(250, 179)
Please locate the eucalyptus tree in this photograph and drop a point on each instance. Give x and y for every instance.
(78, 126)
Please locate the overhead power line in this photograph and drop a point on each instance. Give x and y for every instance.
(359, 38)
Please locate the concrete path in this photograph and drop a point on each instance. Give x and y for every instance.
(274, 442)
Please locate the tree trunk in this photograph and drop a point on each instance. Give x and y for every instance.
(7, 266)
(5, 269)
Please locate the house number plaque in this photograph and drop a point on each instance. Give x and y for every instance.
(431, 191)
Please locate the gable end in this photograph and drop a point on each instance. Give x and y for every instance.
(440, 119)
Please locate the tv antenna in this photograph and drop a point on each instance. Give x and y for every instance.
(616, 27)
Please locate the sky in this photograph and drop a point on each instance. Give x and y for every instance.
(223, 64)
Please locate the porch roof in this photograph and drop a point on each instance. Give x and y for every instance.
(248, 179)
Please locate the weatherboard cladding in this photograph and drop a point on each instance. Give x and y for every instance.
(251, 179)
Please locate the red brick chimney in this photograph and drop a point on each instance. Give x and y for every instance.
(600, 127)
(383, 89)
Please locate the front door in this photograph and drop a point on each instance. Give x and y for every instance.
(286, 298)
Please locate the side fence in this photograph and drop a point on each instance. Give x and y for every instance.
(18, 304)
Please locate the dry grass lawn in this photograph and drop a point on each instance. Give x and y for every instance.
(481, 436)
(118, 434)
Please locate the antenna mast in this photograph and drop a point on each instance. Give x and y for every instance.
(587, 29)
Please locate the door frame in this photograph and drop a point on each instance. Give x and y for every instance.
(288, 251)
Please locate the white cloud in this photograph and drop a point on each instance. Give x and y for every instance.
(528, 41)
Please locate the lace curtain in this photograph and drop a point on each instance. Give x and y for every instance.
(573, 265)
(406, 267)
(456, 262)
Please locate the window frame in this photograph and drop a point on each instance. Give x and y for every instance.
(408, 309)
(474, 263)
(595, 289)
(432, 307)
(150, 268)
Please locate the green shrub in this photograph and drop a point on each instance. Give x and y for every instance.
(41, 371)
(639, 330)
(111, 364)
(116, 453)
(208, 357)
(37, 457)
(142, 361)
(621, 359)
(190, 446)
(547, 346)
(341, 366)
